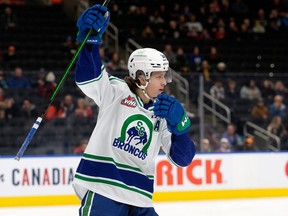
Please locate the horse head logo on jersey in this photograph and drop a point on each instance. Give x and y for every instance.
(138, 134)
(137, 131)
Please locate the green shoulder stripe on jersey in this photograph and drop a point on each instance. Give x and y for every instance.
(123, 166)
(139, 101)
(116, 78)
(117, 184)
(93, 80)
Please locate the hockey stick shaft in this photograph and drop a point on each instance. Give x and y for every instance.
(40, 118)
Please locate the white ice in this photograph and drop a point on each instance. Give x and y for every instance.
(236, 207)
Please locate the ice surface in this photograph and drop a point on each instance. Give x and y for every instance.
(235, 207)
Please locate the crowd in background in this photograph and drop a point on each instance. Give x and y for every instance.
(172, 26)
(171, 22)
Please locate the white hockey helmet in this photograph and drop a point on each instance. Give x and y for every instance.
(148, 60)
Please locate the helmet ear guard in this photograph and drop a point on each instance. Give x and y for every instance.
(148, 60)
(139, 73)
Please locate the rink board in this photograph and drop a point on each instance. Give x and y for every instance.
(35, 181)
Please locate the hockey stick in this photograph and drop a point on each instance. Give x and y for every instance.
(40, 118)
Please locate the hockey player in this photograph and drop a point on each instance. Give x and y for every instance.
(116, 173)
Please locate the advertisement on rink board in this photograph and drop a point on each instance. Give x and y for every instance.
(37, 176)
(208, 176)
(224, 171)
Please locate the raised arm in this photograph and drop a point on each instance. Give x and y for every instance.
(89, 62)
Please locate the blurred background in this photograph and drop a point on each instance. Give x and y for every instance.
(229, 59)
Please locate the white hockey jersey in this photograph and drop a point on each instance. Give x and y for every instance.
(119, 160)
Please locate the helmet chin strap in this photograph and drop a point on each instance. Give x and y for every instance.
(143, 88)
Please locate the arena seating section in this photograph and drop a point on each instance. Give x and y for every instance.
(39, 40)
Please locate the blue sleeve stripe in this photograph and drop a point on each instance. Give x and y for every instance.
(88, 64)
(93, 80)
(175, 164)
(110, 172)
(182, 150)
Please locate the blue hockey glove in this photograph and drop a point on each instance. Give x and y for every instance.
(93, 18)
(169, 108)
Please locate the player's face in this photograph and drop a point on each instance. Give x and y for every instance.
(156, 84)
